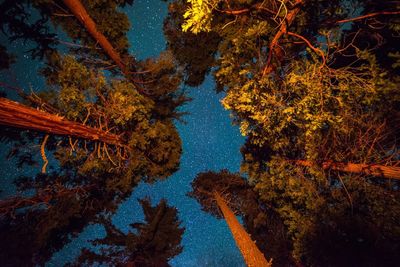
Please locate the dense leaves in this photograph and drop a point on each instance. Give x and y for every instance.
(315, 81)
(308, 82)
(194, 52)
(87, 177)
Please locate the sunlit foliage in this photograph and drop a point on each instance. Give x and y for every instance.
(309, 80)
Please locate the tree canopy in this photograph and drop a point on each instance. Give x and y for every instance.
(312, 85)
(88, 176)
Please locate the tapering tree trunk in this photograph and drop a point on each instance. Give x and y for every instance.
(372, 169)
(17, 115)
(251, 254)
(80, 13)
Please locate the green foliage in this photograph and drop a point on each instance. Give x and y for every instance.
(325, 99)
(92, 177)
(72, 101)
(158, 148)
(109, 20)
(127, 106)
(308, 103)
(76, 85)
(195, 53)
(198, 15)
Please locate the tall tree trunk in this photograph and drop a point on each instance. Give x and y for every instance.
(251, 254)
(80, 13)
(372, 169)
(17, 115)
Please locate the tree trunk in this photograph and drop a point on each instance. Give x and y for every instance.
(251, 254)
(17, 115)
(80, 13)
(371, 169)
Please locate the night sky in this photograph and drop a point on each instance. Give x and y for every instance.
(210, 142)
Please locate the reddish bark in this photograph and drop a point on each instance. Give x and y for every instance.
(250, 252)
(17, 115)
(273, 47)
(316, 50)
(371, 169)
(246, 10)
(80, 13)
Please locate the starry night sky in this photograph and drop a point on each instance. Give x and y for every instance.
(210, 142)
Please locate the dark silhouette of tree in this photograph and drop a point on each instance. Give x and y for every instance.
(17, 23)
(195, 53)
(32, 232)
(5, 58)
(156, 242)
(43, 197)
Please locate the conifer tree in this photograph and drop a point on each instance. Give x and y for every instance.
(18, 23)
(80, 13)
(31, 232)
(251, 254)
(93, 174)
(157, 241)
(309, 81)
(208, 188)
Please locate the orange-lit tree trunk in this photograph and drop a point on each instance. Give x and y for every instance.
(17, 115)
(80, 13)
(372, 169)
(251, 254)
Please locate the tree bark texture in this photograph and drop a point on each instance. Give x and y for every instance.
(250, 252)
(81, 14)
(371, 169)
(20, 116)
(273, 47)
